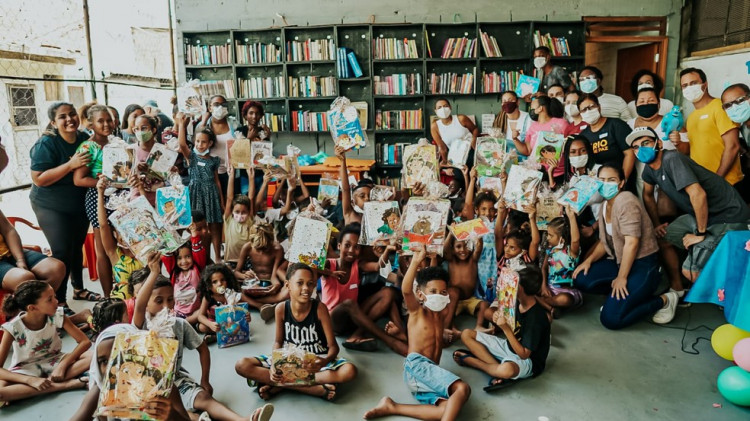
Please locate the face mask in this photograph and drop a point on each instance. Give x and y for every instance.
(509, 107)
(533, 115)
(436, 302)
(561, 99)
(693, 93)
(644, 86)
(219, 113)
(579, 161)
(646, 154)
(609, 190)
(589, 85)
(739, 113)
(240, 218)
(591, 116)
(357, 209)
(144, 137)
(204, 153)
(444, 112)
(560, 246)
(572, 110)
(540, 62)
(647, 110)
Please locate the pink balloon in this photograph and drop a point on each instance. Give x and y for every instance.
(741, 354)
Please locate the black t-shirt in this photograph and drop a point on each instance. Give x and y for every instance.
(49, 152)
(533, 331)
(677, 171)
(608, 143)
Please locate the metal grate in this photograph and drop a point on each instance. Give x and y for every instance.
(23, 106)
(719, 23)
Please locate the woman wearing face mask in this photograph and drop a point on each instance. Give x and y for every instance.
(577, 162)
(647, 79)
(625, 263)
(607, 138)
(572, 114)
(448, 129)
(217, 120)
(513, 122)
(57, 202)
(132, 112)
(546, 116)
(145, 129)
(590, 82)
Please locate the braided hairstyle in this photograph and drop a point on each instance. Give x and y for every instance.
(561, 226)
(108, 312)
(26, 294)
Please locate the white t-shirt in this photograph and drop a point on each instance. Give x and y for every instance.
(452, 132)
(615, 107)
(522, 125)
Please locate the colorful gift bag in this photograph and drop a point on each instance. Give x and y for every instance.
(521, 187)
(492, 184)
(346, 128)
(328, 189)
(580, 194)
(189, 99)
(260, 151)
(380, 223)
(424, 222)
(309, 241)
(507, 291)
(420, 164)
(161, 160)
(469, 230)
(142, 230)
(240, 154)
(117, 162)
(294, 365)
(488, 157)
(233, 326)
(173, 205)
(547, 207)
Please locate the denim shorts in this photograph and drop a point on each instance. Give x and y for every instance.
(500, 349)
(427, 382)
(7, 263)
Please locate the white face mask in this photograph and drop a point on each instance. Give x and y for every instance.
(644, 86)
(579, 161)
(540, 62)
(561, 99)
(357, 209)
(219, 113)
(240, 217)
(443, 112)
(591, 116)
(693, 93)
(572, 110)
(436, 302)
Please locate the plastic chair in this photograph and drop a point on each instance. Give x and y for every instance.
(15, 220)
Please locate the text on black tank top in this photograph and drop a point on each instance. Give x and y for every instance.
(306, 334)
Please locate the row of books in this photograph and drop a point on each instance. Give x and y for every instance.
(489, 44)
(206, 55)
(451, 83)
(309, 121)
(209, 88)
(394, 49)
(276, 122)
(312, 86)
(389, 181)
(257, 53)
(347, 66)
(557, 45)
(390, 153)
(398, 84)
(499, 81)
(399, 120)
(262, 87)
(459, 48)
(310, 50)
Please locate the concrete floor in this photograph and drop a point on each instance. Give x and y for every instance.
(592, 373)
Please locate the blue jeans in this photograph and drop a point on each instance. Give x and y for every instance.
(643, 280)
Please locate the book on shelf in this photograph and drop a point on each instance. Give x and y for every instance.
(500, 81)
(309, 121)
(209, 88)
(347, 66)
(558, 46)
(459, 48)
(311, 50)
(206, 55)
(256, 53)
(451, 83)
(276, 122)
(312, 86)
(489, 44)
(399, 120)
(427, 42)
(262, 87)
(394, 49)
(389, 181)
(390, 153)
(398, 84)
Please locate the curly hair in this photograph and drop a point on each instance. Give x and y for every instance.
(389, 212)
(250, 104)
(107, 313)
(205, 286)
(260, 236)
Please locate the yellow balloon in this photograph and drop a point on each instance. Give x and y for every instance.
(725, 337)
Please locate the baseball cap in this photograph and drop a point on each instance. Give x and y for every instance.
(640, 132)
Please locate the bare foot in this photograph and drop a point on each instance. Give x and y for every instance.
(384, 408)
(450, 336)
(393, 330)
(266, 392)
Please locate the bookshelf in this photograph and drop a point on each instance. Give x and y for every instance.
(393, 58)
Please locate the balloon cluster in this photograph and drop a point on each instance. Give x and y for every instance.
(733, 344)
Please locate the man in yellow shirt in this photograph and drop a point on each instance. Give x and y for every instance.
(714, 138)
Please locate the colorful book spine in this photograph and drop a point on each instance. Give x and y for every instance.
(394, 49)
(451, 83)
(207, 55)
(390, 153)
(311, 86)
(557, 45)
(352, 59)
(398, 84)
(257, 53)
(399, 120)
(501, 81)
(276, 122)
(309, 121)
(217, 87)
(311, 50)
(489, 45)
(262, 87)
(459, 48)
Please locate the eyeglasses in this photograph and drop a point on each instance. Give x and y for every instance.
(645, 144)
(589, 108)
(737, 101)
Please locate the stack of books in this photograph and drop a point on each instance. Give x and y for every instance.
(394, 49)
(390, 154)
(489, 44)
(558, 46)
(206, 55)
(262, 87)
(389, 181)
(347, 66)
(209, 88)
(459, 48)
(321, 49)
(451, 83)
(276, 122)
(312, 86)
(399, 120)
(499, 81)
(309, 121)
(257, 53)
(398, 84)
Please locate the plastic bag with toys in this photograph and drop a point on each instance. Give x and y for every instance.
(489, 156)
(547, 207)
(424, 222)
(580, 194)
(293, 365)
(420, 164)
(328, 189)
(141, 228)
(173, 203)
(521, 187)
(117, 162)
(141, 367)
(234, 328)
(189, 99)
(310, 234)
(346, 128)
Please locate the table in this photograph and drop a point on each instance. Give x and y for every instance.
(331, 165)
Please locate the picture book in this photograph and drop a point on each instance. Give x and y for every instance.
(380, 223)
(161, 160)
(471, 229)
(294, 365)
(488, 156)
(328, 189)
(458, 153)
(309, 242)
(548, 146)
(424, 221)
(493, 184)
(261, 151)
(346, 128)
(547, 208)
(420, 164)
(527, 85)
(117, 162)
(142, 230)
(233, 326)
(173, 205)
(580, 194)
(521, 187)
(189, 99)
(507, 292)
(240, 154)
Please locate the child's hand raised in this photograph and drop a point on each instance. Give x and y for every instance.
(267, 177)
(473, 173)
(340, 152)
(102, 184)
(531, 210)
(420, 252)
(570, 213)
(154, 262)
(179, 119)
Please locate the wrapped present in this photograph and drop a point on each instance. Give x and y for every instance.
(420, 164)
(261, 152)
(161, 160)
(459, 152)
(521, 187)
(547, 207)
(488, 157)
(424, 222)
(141, 367)
(143, 230)
(173, 205)
(581, 193)
(189, 99)
(345, 125)
(239, 152)
(328, 189)
(548, 146)
(117, 162)
(232, 320)
(380, 223)
(309, 239)
(507, 292)
(492, 184)
(469, 230)
(294, 365)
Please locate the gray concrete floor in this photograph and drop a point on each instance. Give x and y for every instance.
(592, 374)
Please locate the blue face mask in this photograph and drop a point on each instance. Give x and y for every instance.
(609, 190)
(646, 154)
(204, 153)
(588, 85)
(739, 113)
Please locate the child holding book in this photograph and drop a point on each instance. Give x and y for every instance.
(238, 218)
(462, 267)
(145, 131)
(352, 202)
(305, 323)
(440, 393)
(563, 253)
(217, 280)
(184, 267)
(517, 248)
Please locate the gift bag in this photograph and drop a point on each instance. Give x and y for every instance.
(239, 152)
(469, 230)
(380, 223)
(173, 205)
(161, 160)
(420, 164)
(309, 239)
(189, 99)
(492, 184)
(424, 222)
(346, 128)
(293, 364)
(260, 152)
(459, 152)
(547, 207)
(143, 230)
(117, 162)
(141, 367)
(580, 194)
(232, 321)
(507, 291)
(488, 157)
(328, 189)
(521, 187)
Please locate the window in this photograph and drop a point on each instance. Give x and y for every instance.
(23, 106)
(719, 23)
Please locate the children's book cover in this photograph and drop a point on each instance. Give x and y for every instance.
(240, 155)
(548, 146)
(173, 205)
(580, 194)
(233, 326)
(458, 153)
(492, 184)
(329, 189)
(309, 242)
(507, 292)
(473, 228)
(294, 365)
(161, 160)
(547, 208)
(527, 85)
(420, 164)
(521, 187)
(346, 128)
(141, 228)
(117, 162)
(380, 223)
(261, 151)
(488, 157)
(424, 221)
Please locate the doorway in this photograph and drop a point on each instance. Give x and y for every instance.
(629, 61)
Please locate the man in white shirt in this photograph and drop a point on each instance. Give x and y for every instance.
(612, 106)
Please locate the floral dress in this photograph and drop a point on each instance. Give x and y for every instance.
(36, 352)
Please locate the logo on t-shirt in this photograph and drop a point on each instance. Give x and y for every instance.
(304, 337)
(601, 146)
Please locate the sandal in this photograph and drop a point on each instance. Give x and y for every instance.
(329, 389)
(459, 359)
(67, 311)
(497, 384)
(365, 345)
(263, 413)
(86, 295)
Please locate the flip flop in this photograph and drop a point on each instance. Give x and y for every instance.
(266, 411)
(329, 390)
(460, 359)
(497, 384)
(366, 345)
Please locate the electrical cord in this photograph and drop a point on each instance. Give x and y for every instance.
(692, 350)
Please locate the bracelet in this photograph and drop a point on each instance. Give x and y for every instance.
(700, 233)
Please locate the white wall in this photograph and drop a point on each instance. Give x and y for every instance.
(721, 71)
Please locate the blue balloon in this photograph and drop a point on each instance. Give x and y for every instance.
(734, 385)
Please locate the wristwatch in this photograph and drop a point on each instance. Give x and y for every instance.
(700, 233)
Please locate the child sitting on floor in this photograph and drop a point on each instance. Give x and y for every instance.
(39, 366)
(523, 352)
(517, 248)
(217, 280)
(563, 254)
(184, 267)
(304, 322)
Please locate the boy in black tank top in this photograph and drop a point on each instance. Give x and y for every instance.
(303, 322)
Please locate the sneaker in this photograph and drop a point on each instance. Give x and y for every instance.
(267, 312)
(204, 416)
(681, 295)
(666, 313)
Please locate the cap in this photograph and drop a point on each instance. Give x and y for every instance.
(150, 103)
(640, 132)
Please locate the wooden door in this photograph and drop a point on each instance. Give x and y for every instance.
(631, 60)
